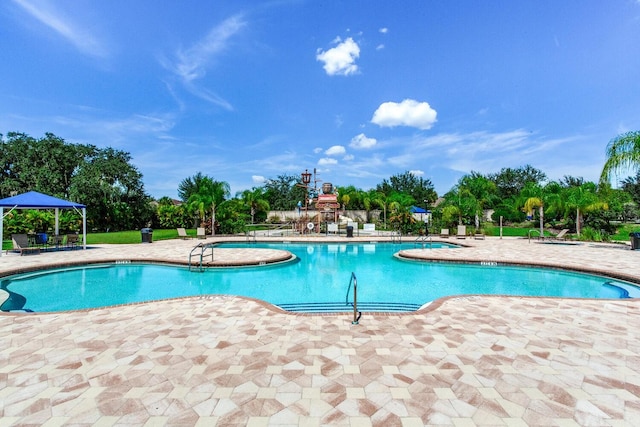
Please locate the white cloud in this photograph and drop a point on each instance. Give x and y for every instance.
(191, 64)
(362, 142)
(80, 37)
(348, 157)
(258, 179)
(335, 150)
(384, 30)
(406, 113)
(327, 161)
(416, 172)
(340, 60)
(380, 47)
(317, 150)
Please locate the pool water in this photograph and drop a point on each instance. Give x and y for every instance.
(317, 281)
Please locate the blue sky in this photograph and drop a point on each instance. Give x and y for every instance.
(360, 90)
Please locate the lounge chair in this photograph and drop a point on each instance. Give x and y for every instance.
(479, 236)
(182, 233)
(462, 232)
(561, 235)
(21, 244)
(200, 233)
(72, 240)
(444, 233)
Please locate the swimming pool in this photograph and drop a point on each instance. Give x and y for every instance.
(317, 281)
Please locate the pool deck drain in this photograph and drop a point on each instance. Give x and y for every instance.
(224, 360)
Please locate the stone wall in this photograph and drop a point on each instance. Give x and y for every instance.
(359, 216)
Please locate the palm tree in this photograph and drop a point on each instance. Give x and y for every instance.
(208, 194)
(584, 199)
(379, 199)
(483, 191)
(623, 151)
(533, 198)
(256, 200)
(400, 216)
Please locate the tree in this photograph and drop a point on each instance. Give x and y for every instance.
(113, 191)
(532, 196)
(510, 182)
(46, 165)
(483, 191)
(419, 188)
(631, 185)
(283, 193)
(255, 200)
(204, 193)
(623, 152)
(583, 199)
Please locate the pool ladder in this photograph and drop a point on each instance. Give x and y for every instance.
(202, 249)
(356, 314)
(423, 240)
(396, 237)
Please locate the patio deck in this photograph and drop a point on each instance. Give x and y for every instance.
(224, 360)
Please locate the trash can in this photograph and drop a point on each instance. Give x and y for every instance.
(147, 235)
(635, 240)
(349, 231)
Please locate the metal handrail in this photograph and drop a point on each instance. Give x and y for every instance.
(356, 313)
(203, 247)
(422, 240)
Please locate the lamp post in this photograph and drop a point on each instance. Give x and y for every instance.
(306, 180)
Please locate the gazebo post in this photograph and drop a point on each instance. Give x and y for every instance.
(84, 228)
(1, 228)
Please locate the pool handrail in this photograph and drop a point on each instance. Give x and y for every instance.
(356, 313)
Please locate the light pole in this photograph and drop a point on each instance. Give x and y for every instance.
(306, 179)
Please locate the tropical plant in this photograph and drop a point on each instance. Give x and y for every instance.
(400, 216)
(532, 198)
(584, 199)
(481, 193)
(418, 188)
(204, 197)
(255, 200)
(510, 182)
(622, 152)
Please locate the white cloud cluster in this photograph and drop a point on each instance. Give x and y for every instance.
(326, 161)
(258, 179)
(336, 150)
(340, 60)
(406, 113)
(361, 141)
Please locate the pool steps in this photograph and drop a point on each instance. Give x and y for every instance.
(332, 307)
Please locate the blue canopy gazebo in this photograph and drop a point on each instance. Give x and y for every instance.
(35, 200)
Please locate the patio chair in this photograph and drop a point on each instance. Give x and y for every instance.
(561, 235)
(444, 233)
(21, 244)
(182, 233)
(462, 232)
(200, 233)
(72, 241)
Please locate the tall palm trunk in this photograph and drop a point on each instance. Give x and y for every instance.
(541, 210)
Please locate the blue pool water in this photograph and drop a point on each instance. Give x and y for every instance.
(320, 276)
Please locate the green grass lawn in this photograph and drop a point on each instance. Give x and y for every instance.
(513, 231)
(121, 237)
(623, 232)
(127, 237)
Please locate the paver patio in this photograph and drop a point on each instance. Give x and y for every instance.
(224, 360)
